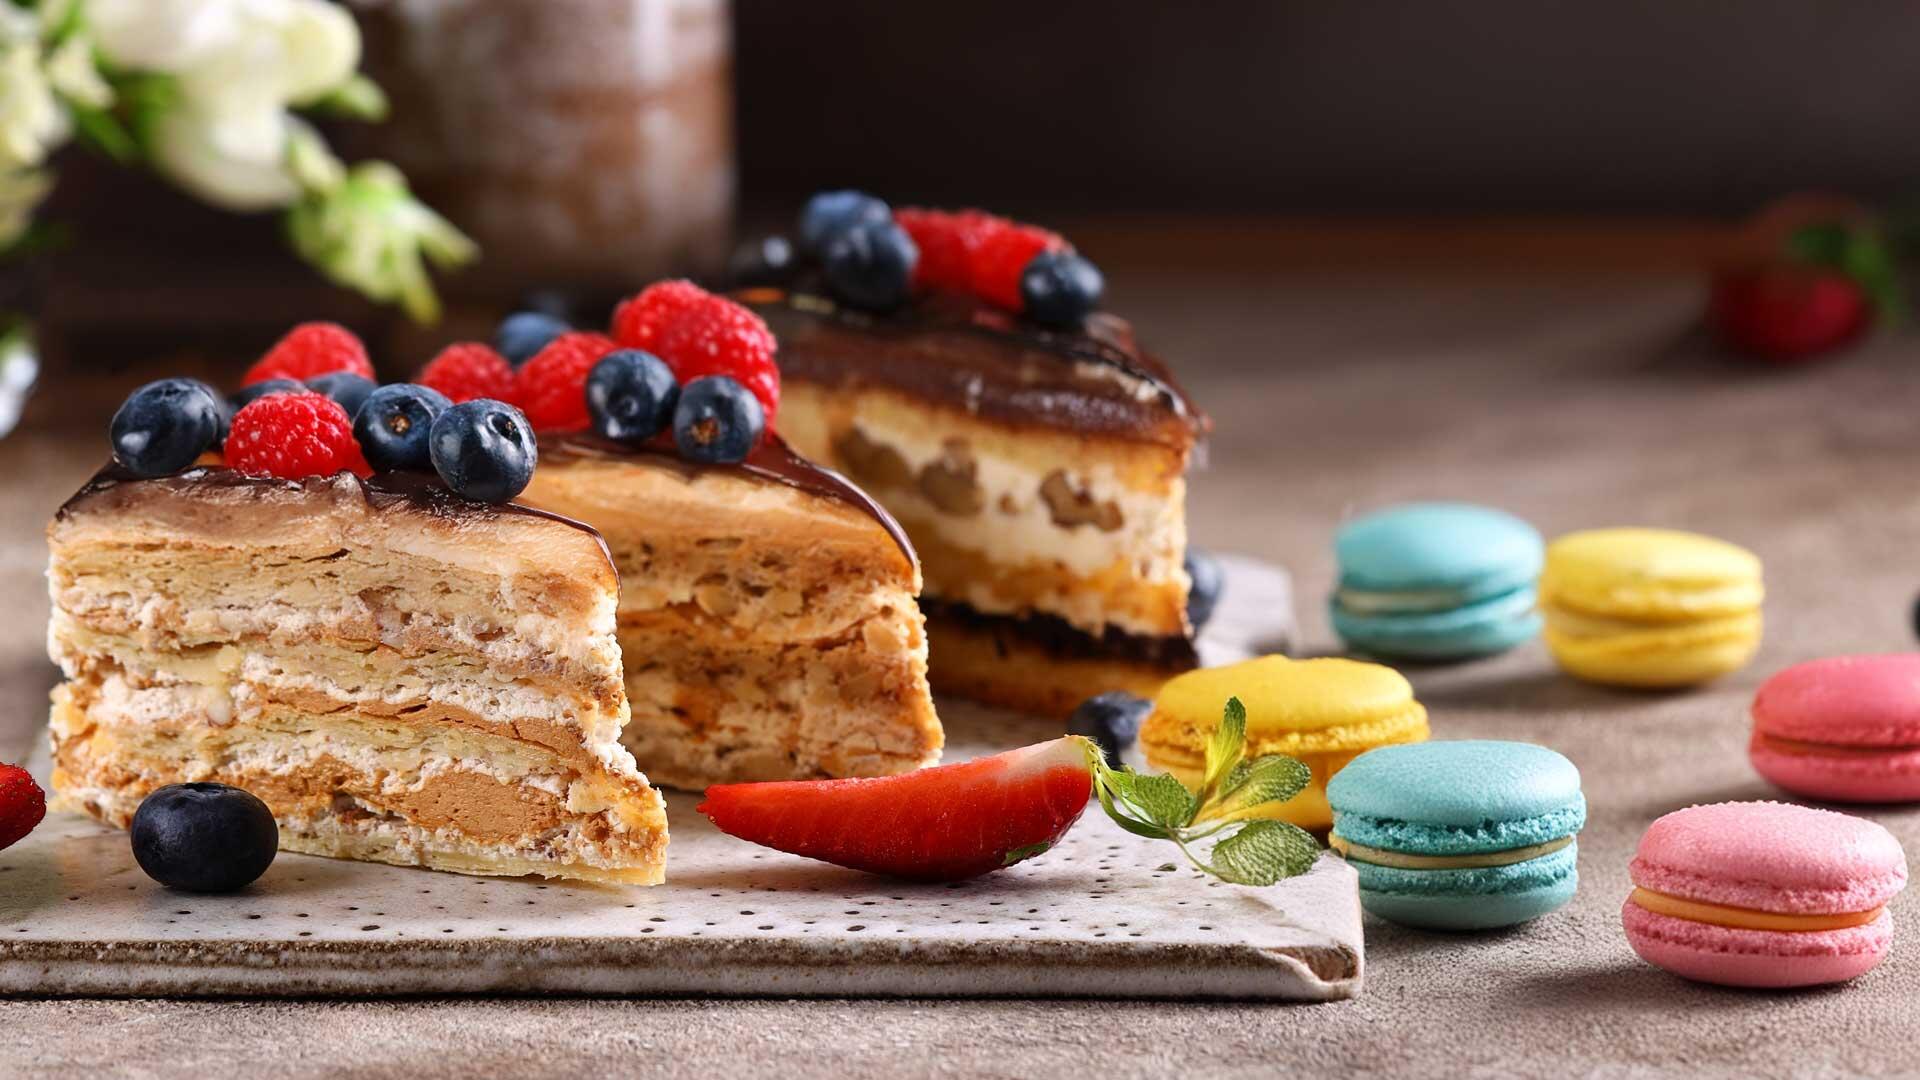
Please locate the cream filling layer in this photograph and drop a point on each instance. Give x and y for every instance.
(1407, 861)
(1803, 748)
(1015, 526)
(1737, 918)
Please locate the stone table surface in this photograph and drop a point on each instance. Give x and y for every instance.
(1572, 400)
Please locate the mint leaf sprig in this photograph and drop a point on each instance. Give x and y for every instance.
(1249, 850)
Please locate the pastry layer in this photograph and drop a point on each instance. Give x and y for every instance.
(401, 675)
(768, 633)
(393, 789)
(1040, 666)
(1013, 521)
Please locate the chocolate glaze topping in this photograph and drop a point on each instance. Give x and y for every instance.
(418, 492)
(1059, 638)
(772, 460)
(959, 350)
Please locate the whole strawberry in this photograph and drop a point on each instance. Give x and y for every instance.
(310, 349)
(294, 436)
(551, 388)
(719, 337)
(1788, 313)
(468, 370)
(22, 805)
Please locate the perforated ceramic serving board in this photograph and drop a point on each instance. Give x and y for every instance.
(1104, 914)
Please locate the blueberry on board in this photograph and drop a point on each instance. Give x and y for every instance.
(164, 425)
(833, 212)
(246, 395)
(631, 395)
(717, 420)
(870, 266)
(483, 450)
(769, 260)
(207, 838)
(1060, 288)
(1112, 720)
(1208, 582)
(347, 390)
(392, 428)
(524, 333)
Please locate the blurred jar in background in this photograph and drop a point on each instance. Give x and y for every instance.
(587, 144)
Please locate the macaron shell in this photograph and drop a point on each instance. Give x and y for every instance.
(1844, 700)
(1757, 958)
(1770, 856)
(1394, 834)
(1470, 912)
(1655, 657)
(1474, 551)
(1283, 695)
(1652, 574)
(1858, 777)
(1488, 626)
(1462, 784)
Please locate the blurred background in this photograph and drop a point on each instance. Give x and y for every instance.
(592, 145)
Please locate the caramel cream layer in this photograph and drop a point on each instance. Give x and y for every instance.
(1820, 749)
(1408, 861)
(1747, 918)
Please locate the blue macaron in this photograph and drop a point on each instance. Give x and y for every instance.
(1437, 581)
(1460, 835)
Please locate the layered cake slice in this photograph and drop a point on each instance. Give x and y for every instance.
(767, 607)
(407, 668)
(401, 675)
(952, 365)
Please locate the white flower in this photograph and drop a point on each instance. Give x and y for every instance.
(161, 35)
(70, 69)
(238, 162)
(230, 53)
(32, 123)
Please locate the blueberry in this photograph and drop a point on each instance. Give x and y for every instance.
(484, 450)
(246, 395)
(717, 420)
(832, 212)
(207, 838)
(630, 395)
(870, 266)
(1060, 288)
(1112, 720)
(345, 388)
(1208, 581)
(392, 426)
(164, 425)
(524, 333)
(549, 301)
(769, 260)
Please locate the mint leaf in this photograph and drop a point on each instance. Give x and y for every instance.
(1163, 800)
(1273, 778)
(1264, 852)
(1225, 747)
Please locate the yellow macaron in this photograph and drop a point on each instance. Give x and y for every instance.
(1650, 607)
(1325, 712)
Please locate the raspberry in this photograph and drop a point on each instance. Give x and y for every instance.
(722, 338)
(22, 804)
(639, 320)
(994, 274)
(947, 242)
(551, 388)
(467, 370)
(310, 349)
(294, 436)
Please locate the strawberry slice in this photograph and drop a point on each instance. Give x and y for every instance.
(947, 823)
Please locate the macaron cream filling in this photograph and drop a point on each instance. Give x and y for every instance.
(1810, 748)
(1404, 860)
(1738, 918)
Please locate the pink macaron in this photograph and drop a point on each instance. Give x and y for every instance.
(1845, 729)
(1763, 894)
